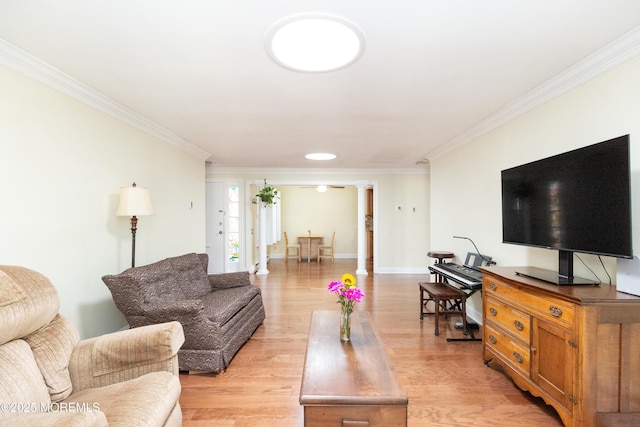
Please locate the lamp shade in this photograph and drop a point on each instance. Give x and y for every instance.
(134, 201)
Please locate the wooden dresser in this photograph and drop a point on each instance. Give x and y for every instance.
(576, 347)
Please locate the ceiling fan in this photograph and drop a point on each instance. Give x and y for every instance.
(323, 188)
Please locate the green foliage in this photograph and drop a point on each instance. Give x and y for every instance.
(268, 195)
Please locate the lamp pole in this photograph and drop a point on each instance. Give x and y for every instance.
(134, 228)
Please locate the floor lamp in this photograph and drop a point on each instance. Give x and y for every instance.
(134, 202)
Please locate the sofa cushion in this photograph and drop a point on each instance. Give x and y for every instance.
(221, 305)
(28, 301)
(20, 377)
(177, 278)
(52, 347)
(156, 281)
(190, 275)
(144, 401)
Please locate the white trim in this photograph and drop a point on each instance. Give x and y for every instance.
(616, 53)
(212, 168)
(403, 270)
(36, 69)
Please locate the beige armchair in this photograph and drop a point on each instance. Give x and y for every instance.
(50, 378)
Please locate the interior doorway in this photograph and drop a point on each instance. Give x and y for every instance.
(365, 203)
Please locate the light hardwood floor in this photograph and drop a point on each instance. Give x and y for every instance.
(447, 383)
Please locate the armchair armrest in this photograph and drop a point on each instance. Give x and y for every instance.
(124, 355)
(229, 280)
(57, 419)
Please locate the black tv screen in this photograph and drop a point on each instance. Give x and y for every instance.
(578, 201)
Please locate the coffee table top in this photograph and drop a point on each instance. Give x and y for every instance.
(355, 373)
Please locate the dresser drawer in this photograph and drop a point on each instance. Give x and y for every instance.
(555, 310)
(517, 355)
(510, 319)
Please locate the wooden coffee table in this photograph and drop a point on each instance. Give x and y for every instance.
(349, 384)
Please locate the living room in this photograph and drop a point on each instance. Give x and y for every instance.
(63, 162)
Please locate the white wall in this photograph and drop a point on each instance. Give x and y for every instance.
(402, 237)
(306, 209)
(61, 166)
(606, 107)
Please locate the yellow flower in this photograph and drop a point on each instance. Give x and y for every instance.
(348, 280)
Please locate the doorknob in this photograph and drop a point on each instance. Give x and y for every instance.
(220, 232)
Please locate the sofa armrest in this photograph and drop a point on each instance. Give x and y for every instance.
(124, 355)
(229, 280)
(183, 311)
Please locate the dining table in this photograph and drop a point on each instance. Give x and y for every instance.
(309, 245)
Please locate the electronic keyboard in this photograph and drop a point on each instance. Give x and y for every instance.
(468, 277)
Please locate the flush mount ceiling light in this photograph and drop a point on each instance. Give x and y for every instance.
(320, 156)
(315, 43)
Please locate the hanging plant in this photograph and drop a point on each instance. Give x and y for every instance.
(267, 194)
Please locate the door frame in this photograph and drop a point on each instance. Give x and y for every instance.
(250, 227)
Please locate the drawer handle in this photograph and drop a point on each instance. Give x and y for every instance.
(555, 311)
(492, 339)
(493, 286)
(493, 311)
(519, 326)
(518, 357)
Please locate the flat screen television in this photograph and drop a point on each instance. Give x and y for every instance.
(578, 201)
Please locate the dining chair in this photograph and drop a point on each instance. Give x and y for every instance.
(326, 251)
(291, 251)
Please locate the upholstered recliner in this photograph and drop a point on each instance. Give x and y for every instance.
(50, 378)
(219, 312)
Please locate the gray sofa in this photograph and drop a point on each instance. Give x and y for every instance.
(218, 312)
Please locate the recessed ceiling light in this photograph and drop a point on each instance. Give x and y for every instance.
(315, 43)
(320, 156)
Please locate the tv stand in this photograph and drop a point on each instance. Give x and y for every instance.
(575, 347)
(553, 277)
(564, 276)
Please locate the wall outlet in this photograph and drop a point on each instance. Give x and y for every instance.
(628, 275)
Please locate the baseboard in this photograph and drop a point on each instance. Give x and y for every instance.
(338, 256)
(403, 270)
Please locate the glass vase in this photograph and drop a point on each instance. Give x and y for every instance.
(345, 325)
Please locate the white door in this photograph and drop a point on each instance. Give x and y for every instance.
(215, 226)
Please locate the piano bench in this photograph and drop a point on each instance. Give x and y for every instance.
(447, 300)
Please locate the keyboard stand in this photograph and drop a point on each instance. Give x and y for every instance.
(469, 333)
(444, 279)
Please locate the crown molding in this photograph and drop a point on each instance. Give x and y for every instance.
(28, 65)
(212, 168)
(614, 54)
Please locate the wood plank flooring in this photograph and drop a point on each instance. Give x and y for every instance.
(447, 383)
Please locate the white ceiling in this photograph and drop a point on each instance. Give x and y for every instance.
(433, 75)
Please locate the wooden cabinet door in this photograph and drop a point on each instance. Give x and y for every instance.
(553, 361)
